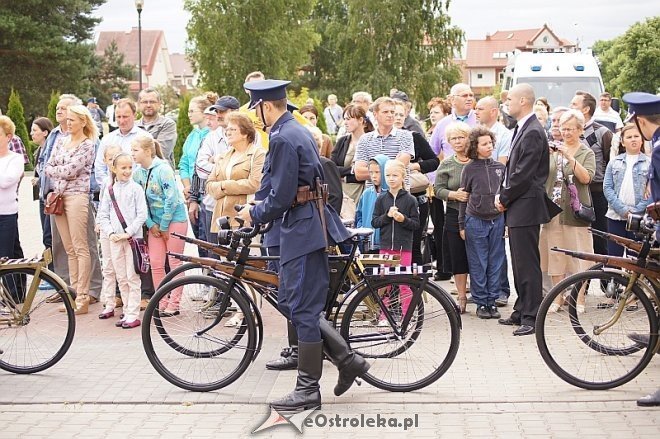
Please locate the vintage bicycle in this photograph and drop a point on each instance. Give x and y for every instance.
(34, 334)
(594, 349)
(408, 352)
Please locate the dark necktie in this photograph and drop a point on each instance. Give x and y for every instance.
(515, 133)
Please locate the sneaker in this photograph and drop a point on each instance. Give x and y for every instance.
(502, 301)
(494, 313)
(469, 298)
(483, 312)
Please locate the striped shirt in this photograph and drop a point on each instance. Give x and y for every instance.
(392, 144)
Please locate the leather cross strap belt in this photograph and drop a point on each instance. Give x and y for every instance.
(306, 194)
(319, 195)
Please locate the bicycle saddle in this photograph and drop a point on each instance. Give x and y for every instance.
(361, 232)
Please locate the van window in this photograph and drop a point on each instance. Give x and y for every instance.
(560, 91)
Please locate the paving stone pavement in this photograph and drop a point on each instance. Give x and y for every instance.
(498, 386)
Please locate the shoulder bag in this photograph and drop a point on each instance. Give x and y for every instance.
(138, 245)
(580, 211)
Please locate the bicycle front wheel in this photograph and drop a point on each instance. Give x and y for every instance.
(411, 359)
(34, 339)
(193, 349)
(584, 342)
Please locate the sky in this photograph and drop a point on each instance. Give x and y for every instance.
(586, 21)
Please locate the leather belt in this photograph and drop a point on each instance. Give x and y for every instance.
(306, 194)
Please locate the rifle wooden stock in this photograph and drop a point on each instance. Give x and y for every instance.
(650, 269)
(220, 250)
(249, 273)
(631, 244)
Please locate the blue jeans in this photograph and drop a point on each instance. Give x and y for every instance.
(486, 256)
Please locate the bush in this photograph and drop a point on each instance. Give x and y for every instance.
(300, 99)
(183, 127)
(52, 106)
(16, 113)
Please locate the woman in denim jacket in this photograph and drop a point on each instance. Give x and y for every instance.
(624, 185)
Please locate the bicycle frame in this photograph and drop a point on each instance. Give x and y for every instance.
(39, 266)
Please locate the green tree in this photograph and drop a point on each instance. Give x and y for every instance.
(45, 43)
(16, 113)
(109, 74)
(631, 62)
(380, 44)
(300, 99)
(52, 106)
(232, 38)
(183, 127)
(169, 98)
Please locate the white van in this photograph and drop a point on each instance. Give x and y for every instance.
(556, 76)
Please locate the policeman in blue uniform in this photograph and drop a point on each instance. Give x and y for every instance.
(644, 110)
(293, 171)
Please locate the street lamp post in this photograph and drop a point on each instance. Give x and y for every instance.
(139, 4)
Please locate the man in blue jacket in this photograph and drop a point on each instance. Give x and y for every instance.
(293, 171)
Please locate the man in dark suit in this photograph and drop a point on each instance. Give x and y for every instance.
(294, 165)
(524, 199)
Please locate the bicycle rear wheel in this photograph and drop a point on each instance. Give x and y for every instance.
(417, 357)
(569, 343)
(191, 350)
(43, 335)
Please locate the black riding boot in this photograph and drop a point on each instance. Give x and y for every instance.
(306, 395)
(350, 364)
(641, 339)
(289, 356)
(652, 400)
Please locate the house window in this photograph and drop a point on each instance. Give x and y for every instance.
(480, 76)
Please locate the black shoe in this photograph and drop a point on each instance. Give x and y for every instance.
(350, 364)
(483, 312)
(652, 400)
(502, 301)
(287, 361)
(306, 395)
(441, 276)
(469, 298)
(494, 313)
(508, 322)
(524, 330)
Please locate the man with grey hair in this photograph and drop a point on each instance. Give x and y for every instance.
(527, 206)
(462, 102)
(160, 127)
(486, 113)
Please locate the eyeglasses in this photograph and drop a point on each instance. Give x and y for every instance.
(466, 95)
(456, 139)
(149, 102)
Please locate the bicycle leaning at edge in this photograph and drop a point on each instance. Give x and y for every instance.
(596, 349)
(196, 353)
(34, 334)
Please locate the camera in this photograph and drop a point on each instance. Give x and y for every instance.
(225, 232)
(640, 224)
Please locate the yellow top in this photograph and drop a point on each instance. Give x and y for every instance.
(258, 124)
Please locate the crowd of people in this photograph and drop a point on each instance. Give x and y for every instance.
(454, 173)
